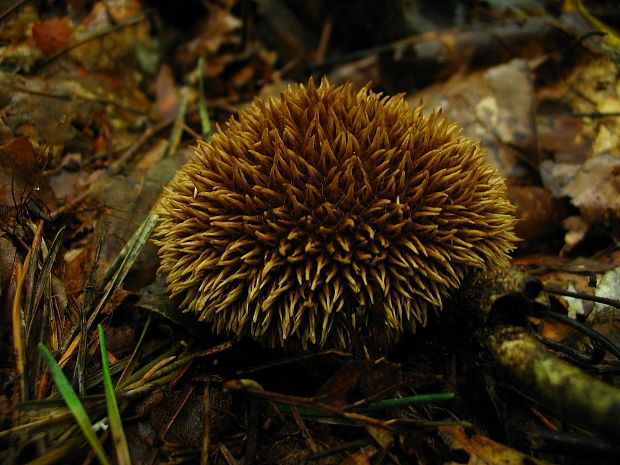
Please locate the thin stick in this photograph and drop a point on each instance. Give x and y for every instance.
(11, 9)
(119, 165)
(580, 295)
(85, 98)
(206, 431)
(605, 342)
(305, 433)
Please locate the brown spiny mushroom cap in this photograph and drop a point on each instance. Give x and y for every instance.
(327, 212)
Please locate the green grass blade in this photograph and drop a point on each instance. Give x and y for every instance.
(205, 122)
(401, 402)
(116, 273)
(116, 425)
(125, 259)
(74, 404)
(387, 404)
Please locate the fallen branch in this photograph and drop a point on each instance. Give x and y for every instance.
(566, 390)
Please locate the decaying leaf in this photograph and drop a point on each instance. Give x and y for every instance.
(52, 35)
(595, 190)
(495, 106)
(481, 450)
(99, 109)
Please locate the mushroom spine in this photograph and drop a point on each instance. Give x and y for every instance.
(330, 211)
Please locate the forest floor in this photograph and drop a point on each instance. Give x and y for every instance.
(101, 102)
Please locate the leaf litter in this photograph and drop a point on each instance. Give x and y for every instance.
(100, 105)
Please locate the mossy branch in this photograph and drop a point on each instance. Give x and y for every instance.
(566, 390)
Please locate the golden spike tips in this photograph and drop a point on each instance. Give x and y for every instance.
(307, 213)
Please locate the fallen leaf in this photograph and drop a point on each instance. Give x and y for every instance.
(495, 107)
(363, 456)
(52, 35)
(365, 377)
(595, 190)
(113, 48)
(481, 450)
(8, 255)
(539, 214)
(19, 172)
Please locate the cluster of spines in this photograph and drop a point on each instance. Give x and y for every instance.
(329, 211)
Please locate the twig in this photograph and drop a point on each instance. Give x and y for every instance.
(561, 387)
(118, 166)
(11, 9)
(336, 450)
(97, 100)
(596, 114)
(180, 407)
(305, 433)
(476, 45)
(69, 205)
(290, 360)
(574, 355)
(326, 33)
(206, 431)
(588, 331)
(177, 129)
(134, 354)
(571, 443)
(238, 385)
(251, 436)
(580, 295)
(227, 454)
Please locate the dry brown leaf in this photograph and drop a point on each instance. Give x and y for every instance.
(220, 28)
(539, 214)
(496, 107)
(576, 231)
(595, 190)
(367, 377)
(558, 134)
(595, 89)
(52, 35)
(114, 50)
(20, 168)
(120, 340)
(361, 457)
(8, 255)
(76, 269)
(482, 450)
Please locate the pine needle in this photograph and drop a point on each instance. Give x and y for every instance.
(113, 279)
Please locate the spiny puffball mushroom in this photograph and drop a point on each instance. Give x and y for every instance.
(327, 212)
